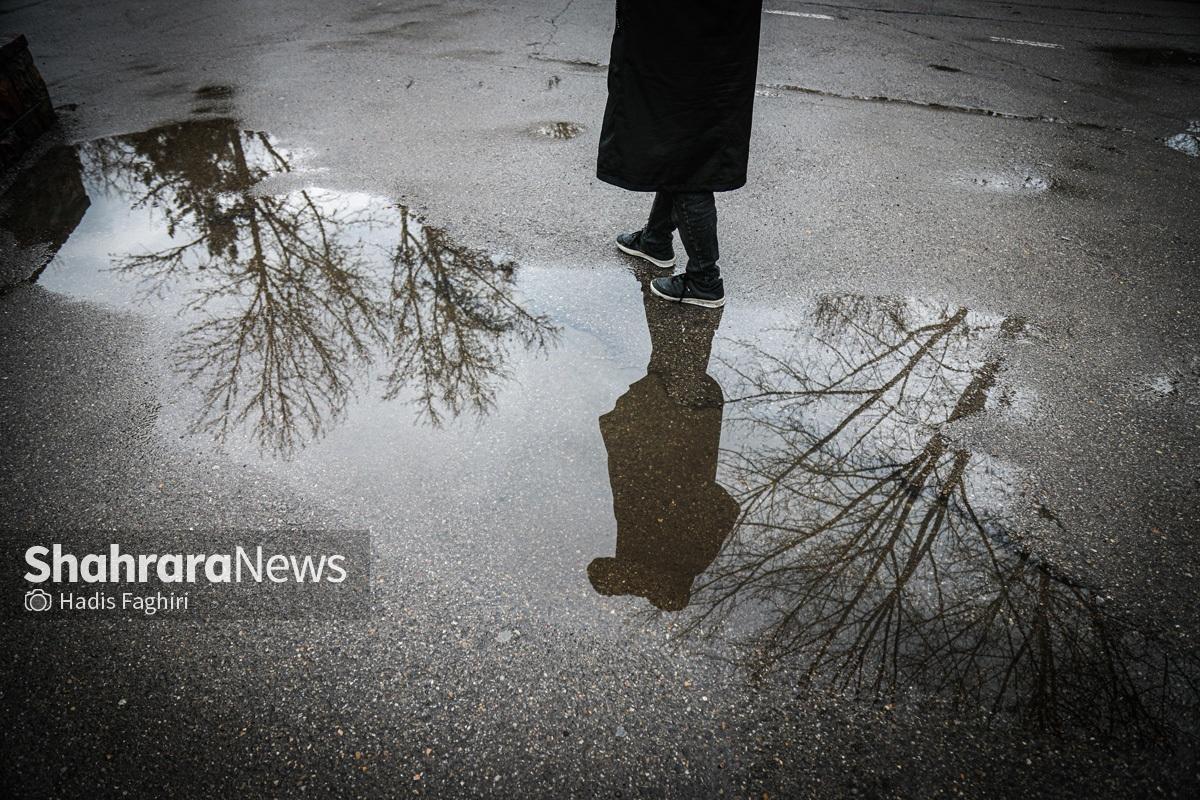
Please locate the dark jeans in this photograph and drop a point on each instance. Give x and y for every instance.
(695, 215)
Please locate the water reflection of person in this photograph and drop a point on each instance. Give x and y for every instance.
(662, 438)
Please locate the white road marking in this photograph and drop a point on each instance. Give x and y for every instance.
(1026, 42)
(804, 14)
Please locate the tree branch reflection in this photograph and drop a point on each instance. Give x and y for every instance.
(879, 555)
(295, 295)
(452, 313)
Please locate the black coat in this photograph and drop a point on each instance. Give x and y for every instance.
(680, 95)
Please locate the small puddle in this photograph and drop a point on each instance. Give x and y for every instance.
(558, 130)
(1181, 382)
(1187, 142)
(1015, 180)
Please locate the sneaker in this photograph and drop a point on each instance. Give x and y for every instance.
(683, 288)
(631, 243)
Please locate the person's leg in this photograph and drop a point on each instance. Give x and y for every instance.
(661, 224)
(701, 285)
(696, 217)
(653, 242)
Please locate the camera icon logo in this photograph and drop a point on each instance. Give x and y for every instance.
(38, 600)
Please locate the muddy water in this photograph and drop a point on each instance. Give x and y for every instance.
(558, 130)
(787, 488)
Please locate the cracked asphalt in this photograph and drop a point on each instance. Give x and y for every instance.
(954, 397)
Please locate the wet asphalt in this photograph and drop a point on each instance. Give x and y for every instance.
(915, 515)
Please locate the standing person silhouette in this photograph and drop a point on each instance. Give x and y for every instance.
(681, 83)
(663, 436)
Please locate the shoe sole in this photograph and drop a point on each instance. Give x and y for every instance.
(691, 301)
(651, 259)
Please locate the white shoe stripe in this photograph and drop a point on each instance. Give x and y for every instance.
(691, 301)
(640, 254)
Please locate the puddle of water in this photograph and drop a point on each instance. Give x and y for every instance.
(863, 386)
(1188, 142)
(1182, 382)
(786, 489)
(558, 130)
(1016, 180)
(284, 306)
(872, 553)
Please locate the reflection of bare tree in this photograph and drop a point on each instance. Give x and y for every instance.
(452, 312)
(880, 555)
(292, 301)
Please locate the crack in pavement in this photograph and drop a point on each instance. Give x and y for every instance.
(597, 67)
(553, 23)
(990, 54)
(938, 106)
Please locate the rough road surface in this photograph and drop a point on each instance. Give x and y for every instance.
(916, 515)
